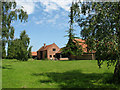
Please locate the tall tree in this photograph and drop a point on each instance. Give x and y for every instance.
(72, 47)
(10, 14)
(101, 27)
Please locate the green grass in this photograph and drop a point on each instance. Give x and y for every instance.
(55, 74)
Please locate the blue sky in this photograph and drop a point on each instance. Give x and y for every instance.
(47, 22)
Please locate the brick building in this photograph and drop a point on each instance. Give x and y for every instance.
(47, 51)
(34, 55)
(85, 56)
(52, 51)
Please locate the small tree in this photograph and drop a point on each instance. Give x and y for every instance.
(19, 48)
(23, 49)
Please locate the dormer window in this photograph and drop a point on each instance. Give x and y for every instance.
(54, 49)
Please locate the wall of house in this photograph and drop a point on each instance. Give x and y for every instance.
(83, 57)
(38, 54)
(64, 59)
(44, 54)
(51, 52)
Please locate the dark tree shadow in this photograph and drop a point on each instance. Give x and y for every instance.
(76, 79)
(6, 67)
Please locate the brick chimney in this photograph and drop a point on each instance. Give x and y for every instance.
(44, 45)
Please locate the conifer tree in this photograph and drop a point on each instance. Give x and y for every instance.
(72, 47)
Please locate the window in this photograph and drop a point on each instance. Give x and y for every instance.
(50, 55)
(54, 49)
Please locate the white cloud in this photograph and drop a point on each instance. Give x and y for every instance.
(56, 4)
(45, 20)
(35, 20)
(51, 6)
(29, 5)
(53, 20)
(39, 22)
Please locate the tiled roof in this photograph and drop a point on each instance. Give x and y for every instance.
(34, 53)
(45, 48)
(59, 51)
(80, 40)
(82, 43)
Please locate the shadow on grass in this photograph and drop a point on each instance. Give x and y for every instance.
(6, 67)
(76, 79)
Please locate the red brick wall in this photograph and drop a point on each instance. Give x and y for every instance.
(51, 52)
(84, 57)
(38, 55)
(44, 52)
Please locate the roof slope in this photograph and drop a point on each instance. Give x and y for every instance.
(80, 42)
(83, 44)
(34, 53)
(45, 48)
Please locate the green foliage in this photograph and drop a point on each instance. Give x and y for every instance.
(72, 47)
(101, 27)
(11, 50)
(22, 47)
(21, 51)
(10, 14)
(29, 52)
(3, 49)
(19, 48)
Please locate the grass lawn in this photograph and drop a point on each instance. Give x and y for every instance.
(55, 74)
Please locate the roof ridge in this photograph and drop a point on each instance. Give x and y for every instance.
(46, 47)
(49, 44)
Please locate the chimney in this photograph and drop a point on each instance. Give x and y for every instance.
(44, 45)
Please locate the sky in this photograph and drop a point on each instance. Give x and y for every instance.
(47, 22)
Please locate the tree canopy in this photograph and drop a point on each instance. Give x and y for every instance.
(9, 14)
(72, 47)
(100, 26)
(19, 48)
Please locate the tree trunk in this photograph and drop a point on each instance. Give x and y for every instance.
(116, 76)
(3, 49)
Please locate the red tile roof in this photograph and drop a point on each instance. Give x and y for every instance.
(82, 43)
(34, 53)
(59, 51)
(45, 48)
